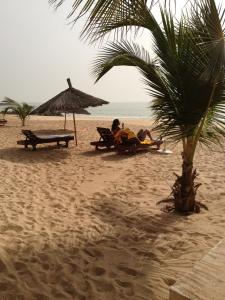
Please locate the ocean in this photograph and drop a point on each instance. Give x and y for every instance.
(133, 110)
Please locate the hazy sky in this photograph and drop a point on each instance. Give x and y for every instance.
(39, 50)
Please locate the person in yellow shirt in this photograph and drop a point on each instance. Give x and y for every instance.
(116, 127)
(127, 136)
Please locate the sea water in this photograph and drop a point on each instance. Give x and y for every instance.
(133, 110)
(113, 110)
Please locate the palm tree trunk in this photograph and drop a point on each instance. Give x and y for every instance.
(184, 188)
(23, 122)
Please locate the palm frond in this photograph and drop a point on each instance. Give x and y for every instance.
(208, 21)
(105, 15)
(214, 125)
(121, 54)
(21, 110)
(8, 102)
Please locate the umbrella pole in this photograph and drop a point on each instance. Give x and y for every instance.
(65, 122)
(75, 129)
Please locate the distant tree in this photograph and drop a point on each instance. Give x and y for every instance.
(22, 110)
(2, 113)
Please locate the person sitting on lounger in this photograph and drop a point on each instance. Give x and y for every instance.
(123, 135)
(129, 137)
(116, 126)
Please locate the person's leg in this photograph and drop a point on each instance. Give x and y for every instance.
(158, 144)
(147, 133)
(141, 135)
(133, 141)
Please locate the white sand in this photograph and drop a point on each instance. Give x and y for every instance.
(80, 224)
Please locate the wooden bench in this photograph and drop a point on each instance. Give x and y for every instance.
(106, 139)
(206, 281)
(133, 148)
(33, 139)
(3, 122)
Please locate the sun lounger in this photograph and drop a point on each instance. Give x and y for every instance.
(106, 139)
(138, 146)
(3, 122)
(33, 139)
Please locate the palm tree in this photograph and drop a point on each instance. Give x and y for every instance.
(21, 110)
(185, 77)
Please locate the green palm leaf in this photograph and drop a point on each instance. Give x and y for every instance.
(104, 15)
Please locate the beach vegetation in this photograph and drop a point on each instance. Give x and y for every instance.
(183, 71)
(22, 110)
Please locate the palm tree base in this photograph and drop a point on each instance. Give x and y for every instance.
(184, 190)
(182, 198)
(170, 207)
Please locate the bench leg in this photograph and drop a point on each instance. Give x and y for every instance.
(67, 144)
(34, 147)
(133, 149)
(119, 149)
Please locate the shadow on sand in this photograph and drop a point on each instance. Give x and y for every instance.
(93, 153)
(119, 265)
(41, 155)
(115, 156)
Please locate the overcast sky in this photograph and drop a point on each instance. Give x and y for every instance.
(39, 50)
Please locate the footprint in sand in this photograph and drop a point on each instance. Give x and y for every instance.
(128, 271)
(2, 266)
(128, 286)
(12, 227)
(93, 253)
(43, 257)
(103, 286)
(58, 206)
(112, 275)
(144, 255)
(21, 203)
(169, 281)
(68, 288)
(20, 266)
(3, 287)
(74, 250)
(98, 271)
(45, 266)
(74, 268)
(124, 284)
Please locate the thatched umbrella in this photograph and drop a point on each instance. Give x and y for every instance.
(69, 101)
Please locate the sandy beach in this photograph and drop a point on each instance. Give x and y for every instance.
(83, 224)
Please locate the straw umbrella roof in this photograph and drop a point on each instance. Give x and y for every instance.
(70, 100)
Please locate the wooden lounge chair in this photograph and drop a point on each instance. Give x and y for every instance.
(33, 139)
(134, 147)
(106, 139)
(3, 122)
